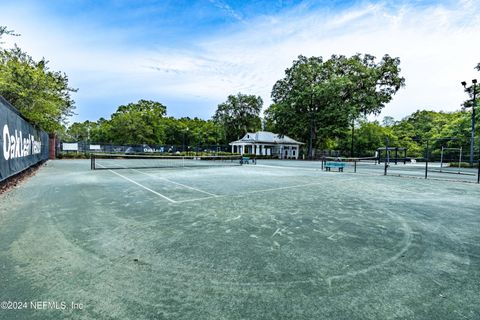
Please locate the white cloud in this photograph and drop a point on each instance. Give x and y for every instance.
(438, 47)
(227, 9)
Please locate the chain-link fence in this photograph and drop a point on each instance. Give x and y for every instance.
(442, 158)
(85, 148)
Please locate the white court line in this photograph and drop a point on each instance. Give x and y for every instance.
(199, 199)
(177, 183)
(286, 167)
(238, 195)
(283, 188)
(142, 186)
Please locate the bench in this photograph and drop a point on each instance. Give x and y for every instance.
(246, 160)
(339, 165)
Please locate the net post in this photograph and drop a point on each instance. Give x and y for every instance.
(323, 160)
(92, 161)
(355, 166)
(478, 173)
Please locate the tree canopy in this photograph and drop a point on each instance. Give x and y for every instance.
(41, 95)
(448, 129)
(139, 122)
(145, 122)
(238, 115)
(317, 99)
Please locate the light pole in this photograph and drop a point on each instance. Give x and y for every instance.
(184, 132)
(474, 88)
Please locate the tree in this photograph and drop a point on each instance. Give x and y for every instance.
(369, 137)
(80, 131)
(139, 122)
(238, 115)
(4, 31)
(41, 95)
(369, 85)
(301, 103)
(319, 98)
(388, 121)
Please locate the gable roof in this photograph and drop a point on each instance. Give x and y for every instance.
(267, 137)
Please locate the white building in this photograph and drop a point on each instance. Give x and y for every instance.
(267, 144)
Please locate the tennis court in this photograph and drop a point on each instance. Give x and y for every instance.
(276, 240)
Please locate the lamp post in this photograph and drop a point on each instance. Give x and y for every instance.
(474, 88)
(184, 132)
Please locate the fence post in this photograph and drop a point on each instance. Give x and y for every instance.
(387, 158)
(52, 146)
(426, 161)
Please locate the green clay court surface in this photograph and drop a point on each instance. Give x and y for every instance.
(276, 240)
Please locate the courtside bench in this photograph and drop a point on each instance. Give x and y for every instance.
(246, 160)
(338, 165)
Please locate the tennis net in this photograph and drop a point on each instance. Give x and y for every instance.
(123, 161)
(352, 164)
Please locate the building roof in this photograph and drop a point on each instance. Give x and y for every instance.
(266, 137)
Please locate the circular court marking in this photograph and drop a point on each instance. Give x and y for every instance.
(280, 243)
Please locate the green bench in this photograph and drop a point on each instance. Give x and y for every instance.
(338, 165)
(246, 160)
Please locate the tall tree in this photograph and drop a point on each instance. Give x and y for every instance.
(318, 99)
(369, 86)
(41, 95)
(370, 136)
(238, 115)
(139, 122)
(300, 103)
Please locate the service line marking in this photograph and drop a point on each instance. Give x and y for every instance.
(239, 195)
(142, 186)
(177, 183)
(287, 167)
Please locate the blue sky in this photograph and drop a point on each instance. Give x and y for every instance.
(190, 55)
